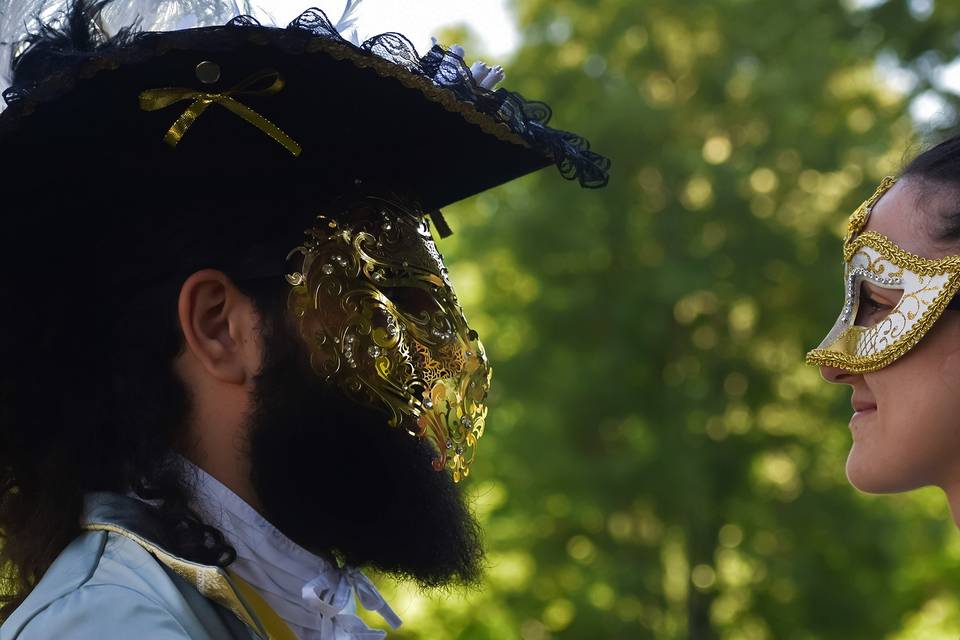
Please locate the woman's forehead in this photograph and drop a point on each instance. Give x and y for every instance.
(906, 214)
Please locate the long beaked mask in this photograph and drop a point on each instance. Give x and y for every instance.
(375, 306)
(927, 288)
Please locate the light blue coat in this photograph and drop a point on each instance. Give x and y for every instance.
(115, 582)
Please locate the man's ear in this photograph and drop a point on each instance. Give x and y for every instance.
(219, 325)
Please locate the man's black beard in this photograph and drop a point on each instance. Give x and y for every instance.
(334, 477)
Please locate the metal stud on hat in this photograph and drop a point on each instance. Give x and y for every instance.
(208, 72)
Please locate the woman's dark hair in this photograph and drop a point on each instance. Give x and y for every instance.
(95, 408)
(940, 167)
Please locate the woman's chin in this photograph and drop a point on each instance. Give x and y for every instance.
(869, 477)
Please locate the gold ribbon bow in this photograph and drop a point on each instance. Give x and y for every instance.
(155, 99)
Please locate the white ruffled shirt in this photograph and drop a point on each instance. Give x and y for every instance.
(312, 595)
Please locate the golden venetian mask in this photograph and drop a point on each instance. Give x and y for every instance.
(375, 306)
(926, 289)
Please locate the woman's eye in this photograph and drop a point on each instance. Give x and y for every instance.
(870, 310)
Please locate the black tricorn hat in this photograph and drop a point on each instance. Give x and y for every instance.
(241, 132)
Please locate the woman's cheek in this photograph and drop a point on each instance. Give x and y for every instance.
(950, 370)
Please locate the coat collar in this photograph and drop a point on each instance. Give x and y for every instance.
(134, 520)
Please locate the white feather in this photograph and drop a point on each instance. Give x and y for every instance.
(18, 18)
(172, 15)
(348, 21)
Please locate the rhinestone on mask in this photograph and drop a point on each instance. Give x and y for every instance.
(852, 281)
(442, 335)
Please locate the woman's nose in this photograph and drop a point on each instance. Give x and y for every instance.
(836, 375)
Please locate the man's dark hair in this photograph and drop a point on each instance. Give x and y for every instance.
(86, 408)
(89, 399)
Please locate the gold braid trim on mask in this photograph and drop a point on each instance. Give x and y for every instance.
(886, 247)
(867, 364)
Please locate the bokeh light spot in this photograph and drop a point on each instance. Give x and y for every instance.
(730, 535)
(703, 577)
(763, 180)
(581, 549)
(698, 193)
(601, 596)
(717, 149)
(558, 615)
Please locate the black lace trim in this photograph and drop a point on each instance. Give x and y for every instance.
(525, 118)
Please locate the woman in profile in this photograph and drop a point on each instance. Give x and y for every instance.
(897, 340)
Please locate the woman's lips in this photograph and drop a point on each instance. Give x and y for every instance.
(860, 404)
(862, 409)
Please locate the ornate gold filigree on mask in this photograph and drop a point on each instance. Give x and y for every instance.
(375, 306)
(927, 286)
(858, 219)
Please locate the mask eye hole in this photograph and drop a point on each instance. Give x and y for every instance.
(875, 304)
(412, 300)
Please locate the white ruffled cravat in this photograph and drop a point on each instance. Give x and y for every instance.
(312, 595)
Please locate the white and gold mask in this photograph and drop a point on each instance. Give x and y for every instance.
(859, 344)
(376, 309)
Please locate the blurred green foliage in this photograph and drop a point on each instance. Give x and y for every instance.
(659, 463)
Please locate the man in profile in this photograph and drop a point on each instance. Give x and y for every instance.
(234, 369)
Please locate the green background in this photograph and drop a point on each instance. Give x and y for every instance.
(659, 463)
